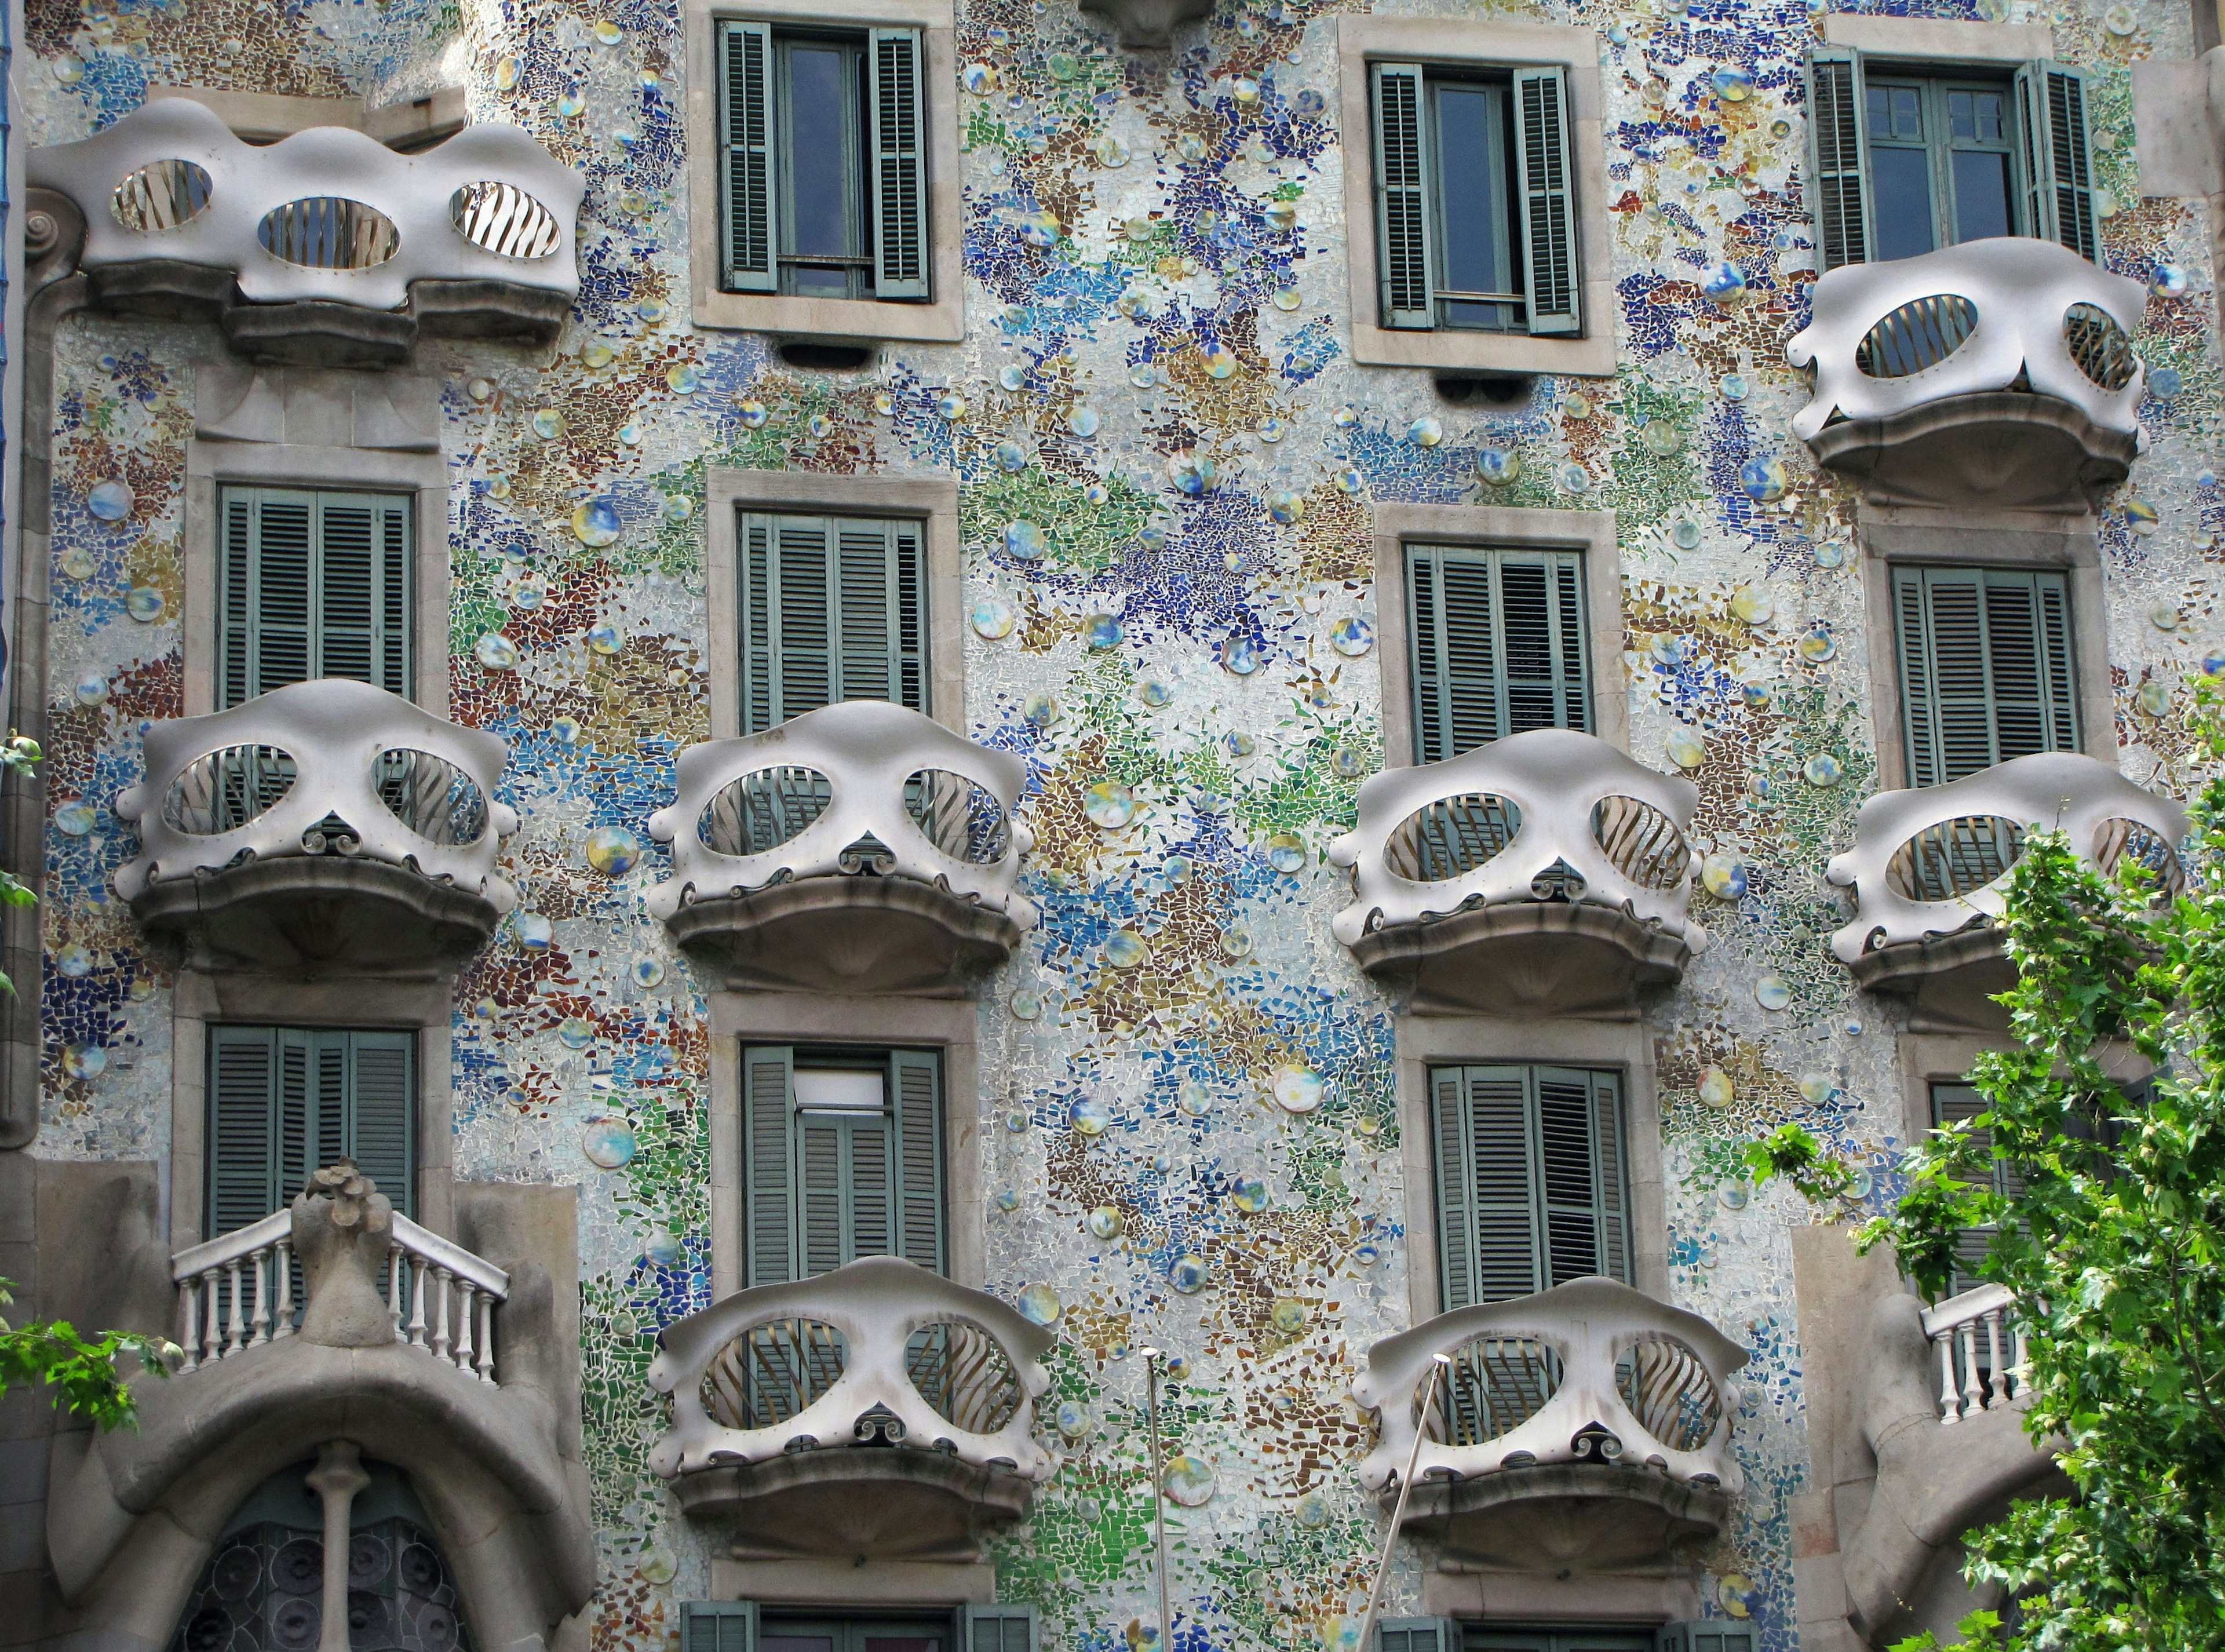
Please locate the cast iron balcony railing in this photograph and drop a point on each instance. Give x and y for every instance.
(1591, 1392)
(1930, 871)
(1544, 868)
(328, 825)
(880, 1386)
(861, 847)
(1997, 372)
(327, 247)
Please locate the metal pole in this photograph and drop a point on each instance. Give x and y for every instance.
(1437, 1365)
(1152, 1358)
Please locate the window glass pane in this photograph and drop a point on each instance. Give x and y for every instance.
(1472, 197)
(1982, 194)
(818, 114)
(829, 1091)
(1902, 180)
(787, 1641)
(1896, 114)
(1977, 116)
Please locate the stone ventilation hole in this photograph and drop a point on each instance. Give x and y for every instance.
(430, 795)
(1493, 1386)
(962, 819)
(1921, 333)
(2099, 346)
(772, 1373)
(223, 791)
(764, 809)
(1669, 1392)
(1955, 858)
(1641, 843)
(965, 1374)
(1452, 837)
(2121, 844)
(504, 220)
(161, 195)
(328, 232)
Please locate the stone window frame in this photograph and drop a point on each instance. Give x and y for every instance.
(199, 1001)
(930, 500)
(1625, 1048)
(212, 465)
(1908, 535)
(942, 319)
(950, 1027)
(1937, 41)
(1591, 532)
(1375, 38)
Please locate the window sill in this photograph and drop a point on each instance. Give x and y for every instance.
(860, 320)
(1448, 350)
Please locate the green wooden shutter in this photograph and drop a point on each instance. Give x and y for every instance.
(1498, 645)
(1580, 1161)
(382, 1111)
(1838, 190)
(844, 1192)
(2058, 156)
(747, 164)
(1987, 667)
(1403, 179)
(293, 1051)
(999, 1628)
(1610, 1161)
(1455, 1187)
(242, 1146)
(286, 1101)
(833, 609)
(1417, 1634)
(1951, 1103)
(1550, 258)
(719, 1626)
(235, 604)
(1706, 1635)
(314, 584)
(769, 1206)
(916, 1082)
(897, 112)
(1503, 1163)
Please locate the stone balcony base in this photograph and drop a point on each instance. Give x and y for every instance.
(888, 1503)
(1948, 981)
(2006, 449)
(317, 915)
(1525, 957)
(847, 933)
(1603, 1518)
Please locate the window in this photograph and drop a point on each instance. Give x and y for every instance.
(1498, 645)
(747, 1626)
(822, 162)
(284, 1102)
(1950, 1104)
(1907, 160)
(1475, 207)
(834, 608)
(1986, 668)
(1530, 1188)
(842, 1153)
(311, 584)
(1444, 1634)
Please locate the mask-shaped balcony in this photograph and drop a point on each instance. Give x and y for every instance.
(1544, 871)
(1929, 872)
(861, 848)
(325, 249)
(1997, 372)
(328, 827)
(1584, 1427)
(877, 1412)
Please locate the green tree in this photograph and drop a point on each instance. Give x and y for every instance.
(2111, 1244)
(83, 1375)
(20, 754)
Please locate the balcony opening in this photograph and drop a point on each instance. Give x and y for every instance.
(827, 358)
(1487, 390)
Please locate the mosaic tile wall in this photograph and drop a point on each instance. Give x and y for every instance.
(1167, 467)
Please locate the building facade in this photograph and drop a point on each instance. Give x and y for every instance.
(871, 825)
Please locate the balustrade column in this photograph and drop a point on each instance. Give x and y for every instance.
(486, 1338)
(282, 1259)
(440, 1317)
(188, 1320)
(469, 1292)
(260, 1324)
(212, 1322)
(1950, 1401)
(236, 1331)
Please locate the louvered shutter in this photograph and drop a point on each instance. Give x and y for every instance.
(749, 171)
(286, 1101)
(314, 584)
(1610, 1160)
(1838, 190)
(997, 1627)
(242, 1148)
(2058, 155)
(916, 1082)
(1706, 1635)
(1569, 1168)
(833, 609)
(1501, 1153)
(1499, 646)
(1951, 1103)
(719, 1626)
(769, 1208)
(897, 113)
(1403, 182)
(1987, 667)
(299, 1115)
(1417, 1634)
(1550, 257)
(1455, 1187)
(382, 1125)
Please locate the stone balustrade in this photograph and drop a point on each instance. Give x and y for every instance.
(1980, 1349)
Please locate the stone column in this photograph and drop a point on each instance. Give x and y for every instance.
(337, 1477)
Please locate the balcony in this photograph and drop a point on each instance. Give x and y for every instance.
(861, 848)
(387, 1351)
(1584, 1427)
(1997, 373)
(326, 248)
(877, 1412)
(1930, 869)
(1545, 870)
(328, 827)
